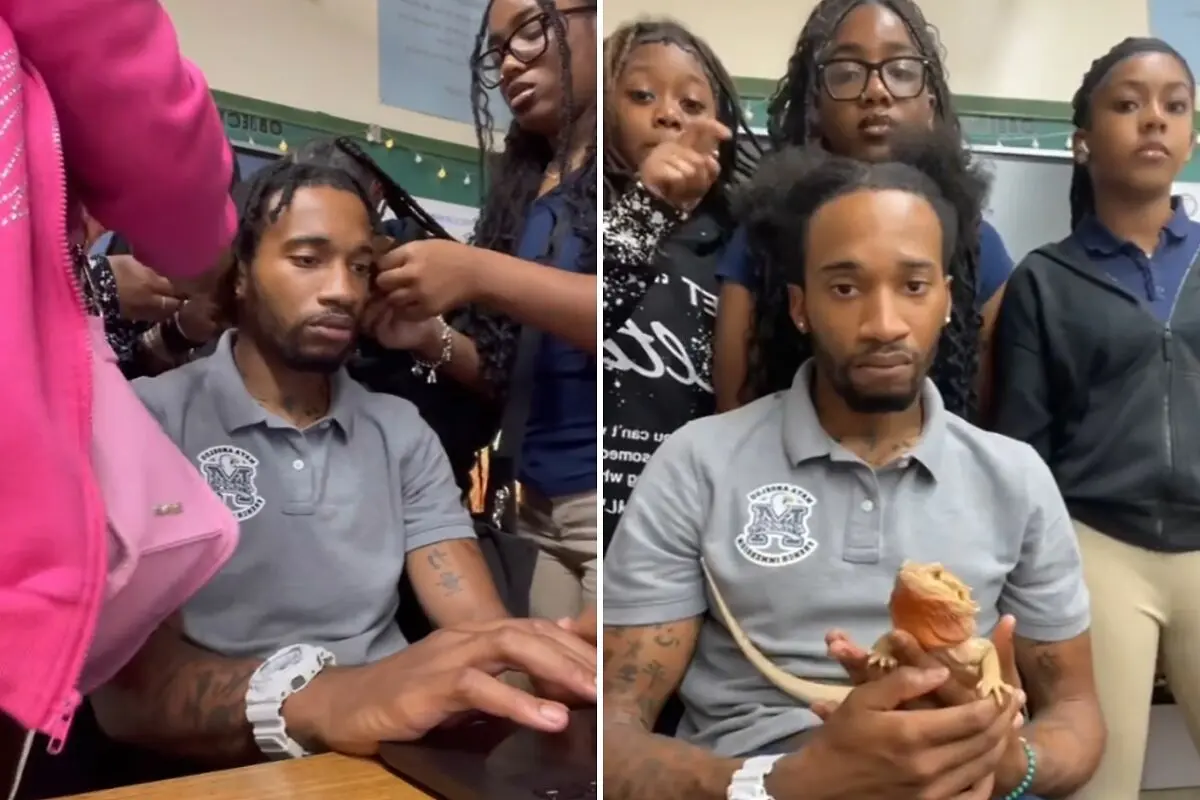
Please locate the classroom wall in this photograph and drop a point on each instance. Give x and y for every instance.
(314, 55)
(1023, 49)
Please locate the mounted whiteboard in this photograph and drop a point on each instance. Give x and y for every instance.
(1028, 202)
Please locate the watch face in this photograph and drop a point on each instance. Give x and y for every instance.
(280, 662)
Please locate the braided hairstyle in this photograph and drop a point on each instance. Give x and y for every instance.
(1083, 196)
(794, 183)
(263, 199)
(738, 156)
(513, 179)
(776, 347)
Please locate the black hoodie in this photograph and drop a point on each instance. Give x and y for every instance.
(1106, 393)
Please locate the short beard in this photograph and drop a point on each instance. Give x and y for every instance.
(838, 375)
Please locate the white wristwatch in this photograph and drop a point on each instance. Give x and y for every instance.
(747, 783)
(279, 677)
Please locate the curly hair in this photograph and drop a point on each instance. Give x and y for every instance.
(513, 178)
(793, 184)
(776, 347)
(1083, 197)
(738, 156)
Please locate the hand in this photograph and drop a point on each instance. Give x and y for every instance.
(682, 171)
(144, 295)
(199, 320)
(870, 748)
(428, 278)
(423, 338)
(907, 651)
(449, 672)
(583, 626)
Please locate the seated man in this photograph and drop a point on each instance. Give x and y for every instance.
(803, 506)
(337, 491)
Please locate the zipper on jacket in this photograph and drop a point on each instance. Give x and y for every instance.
(1169, 367)
(68, 698)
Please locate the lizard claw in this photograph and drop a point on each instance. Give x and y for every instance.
(882, 661)
(990, 687)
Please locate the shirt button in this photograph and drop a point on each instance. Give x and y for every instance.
(867, 506)
(297, 464)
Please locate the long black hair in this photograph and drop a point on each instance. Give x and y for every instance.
(776, 348)
(738, 156)
(1083, 196)
(513, 178)
(794, 183)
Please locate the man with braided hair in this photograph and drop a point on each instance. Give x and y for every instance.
(862, 70)
(294, 646)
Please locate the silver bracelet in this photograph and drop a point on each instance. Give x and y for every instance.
(429, 368)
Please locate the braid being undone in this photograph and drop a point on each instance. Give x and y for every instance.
(1082, 197)
(737, 156)
(776, 348)
(512, 179)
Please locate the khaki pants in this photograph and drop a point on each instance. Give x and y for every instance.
(564, 529)
(1145, 607)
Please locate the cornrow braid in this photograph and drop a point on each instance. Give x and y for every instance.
(267, 195)
(402, 204)
(1083, 196)
(776, 348)
(738, 157)
(513, 179)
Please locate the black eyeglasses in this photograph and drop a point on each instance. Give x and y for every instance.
(846, 78)
(526, 44)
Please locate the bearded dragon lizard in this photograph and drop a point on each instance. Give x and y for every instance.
(929, 603)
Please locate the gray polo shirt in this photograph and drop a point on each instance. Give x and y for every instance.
(802, 536)
(327, 514)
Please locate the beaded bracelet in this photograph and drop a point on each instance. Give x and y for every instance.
(430, 368)
(1030, 770)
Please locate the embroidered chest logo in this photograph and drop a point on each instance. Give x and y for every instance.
(776, 533)
(230, 472)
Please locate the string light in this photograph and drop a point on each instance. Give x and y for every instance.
(283, 146)
(441, 173)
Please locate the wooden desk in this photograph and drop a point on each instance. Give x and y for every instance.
(326, 777)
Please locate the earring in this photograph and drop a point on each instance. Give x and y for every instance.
(947, 319)
(1081, 155)
(800, 326)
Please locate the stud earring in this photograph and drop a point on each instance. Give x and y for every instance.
(1082, 153)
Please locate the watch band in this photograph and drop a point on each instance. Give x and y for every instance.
(283, 674)
(747, 783)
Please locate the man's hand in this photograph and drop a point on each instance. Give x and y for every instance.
(199, 320)
(423, 338)
(681, 171)
(144, 295)
(451, 671)
(869, 747)
(583, 626)
(428, 278)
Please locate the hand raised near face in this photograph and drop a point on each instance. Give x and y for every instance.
(681, 171)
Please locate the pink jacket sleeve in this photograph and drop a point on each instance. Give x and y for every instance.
(141, 136)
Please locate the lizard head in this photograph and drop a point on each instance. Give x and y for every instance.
(932, 605)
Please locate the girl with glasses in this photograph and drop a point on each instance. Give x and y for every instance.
(861, 70)
(524, 290)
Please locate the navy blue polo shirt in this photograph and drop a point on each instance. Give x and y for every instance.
(995, 263)
(559, 454)
(1154, 280)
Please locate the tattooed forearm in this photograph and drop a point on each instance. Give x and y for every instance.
(454, 584)
(1067, 730)
(181, 700)
(642, 667)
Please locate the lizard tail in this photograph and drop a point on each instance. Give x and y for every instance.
(807, 692)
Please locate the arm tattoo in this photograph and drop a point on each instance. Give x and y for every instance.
(181, 700)
(642, 667)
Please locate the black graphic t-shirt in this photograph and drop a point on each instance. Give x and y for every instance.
(659, 320)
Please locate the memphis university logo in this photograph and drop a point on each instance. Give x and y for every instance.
(777, 533)
(230, 474)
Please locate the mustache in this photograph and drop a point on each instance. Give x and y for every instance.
(333, 319)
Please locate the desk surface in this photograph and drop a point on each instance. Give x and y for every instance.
(314, 778)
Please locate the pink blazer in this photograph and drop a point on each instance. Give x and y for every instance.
(100, 87)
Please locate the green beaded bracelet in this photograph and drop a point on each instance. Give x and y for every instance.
(1030, 770)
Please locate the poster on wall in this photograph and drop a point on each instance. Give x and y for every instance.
(425, 49)
(1177, 22)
